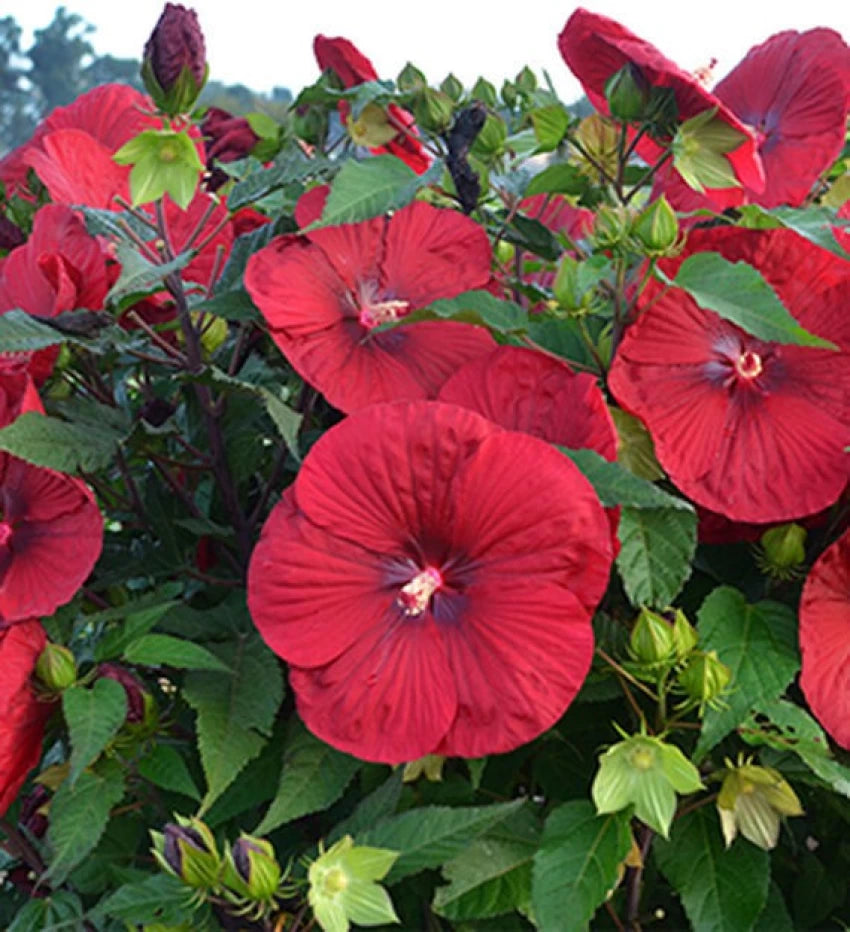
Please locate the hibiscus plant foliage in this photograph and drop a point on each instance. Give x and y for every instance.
(430, 509)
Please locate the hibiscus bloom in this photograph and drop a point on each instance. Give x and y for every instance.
(17, 390)
(793, 91)
(751, 429)
(22, 715)
(51, 533)
(324, 293)
(431, 590)
(825, 640)
(596, 47)
(352, 67)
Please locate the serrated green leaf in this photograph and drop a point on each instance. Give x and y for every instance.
(371, 188)
(60, 445)
(313, 776)
(759, 645)
(235, 305)
(430, 835)
(577, 864)
(720, 889)
(379, 804)
(480, 307)
(113, 223)
(235, 711)
(557, 179)
(816, 224)
(78, 817)
(166, 768)
(656, 549)
(139, 276)
(58, 911)
(635, 449)
(493, 876)
(738, 292)
(163, 650)
(138, 617)
(550, 124)
(94, 331)
(93, 717)
(288, 167)
(21, 333)
(157, 899)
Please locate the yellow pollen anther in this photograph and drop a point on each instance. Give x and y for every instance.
(415, 595)
(373, 314)
(749, 365)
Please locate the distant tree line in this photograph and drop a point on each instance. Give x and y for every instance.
(61, 64)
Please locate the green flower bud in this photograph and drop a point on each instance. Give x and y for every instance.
(504, 252)
(56, 668)
(251, 869)
(433, 110)
(566, 287)
(656, 227)
(782, 551)
(627, 93)
(526, 81)
(484, 91)
(646, 773)
(431, 766)
(651, 641)
(611, 227)
(752, 800)
(509, 94)
(411, 79)
(704, 679)
(685, 636)
(490, 141)
(187, 850)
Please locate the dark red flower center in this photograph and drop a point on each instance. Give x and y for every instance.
(414, 596)
(749, 365)
(375, 311)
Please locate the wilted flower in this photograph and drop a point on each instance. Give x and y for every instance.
(174, 63)
(753, 800)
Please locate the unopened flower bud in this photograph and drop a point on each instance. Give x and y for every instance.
(228, 138)
(411, 79)
(56, 668)
(704, 678)
(136, 695)
(484, 92)
(611, 226)
(627, 93)
(251, 868)
(685, 636)
(657, 228)
(174, 64)
(651, 641)
(187, 850)
(782, 551)
(526, 81)
(509, 94)
(433, 110)
(452, 88)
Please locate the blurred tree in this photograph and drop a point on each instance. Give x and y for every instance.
(60, 56)
(18, 111)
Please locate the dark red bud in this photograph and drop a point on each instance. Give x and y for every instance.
(171, 851)
(176, 42)
(132, 688)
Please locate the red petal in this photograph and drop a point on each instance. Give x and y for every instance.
(342, 57)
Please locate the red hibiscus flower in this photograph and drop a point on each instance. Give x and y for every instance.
(793, 91)
(595, 48)
(825, 640)
(430, 577)
(751, 429)
(352, 68)
(17, 391)
(60, 268)
(51, 533)
(22, 715)
(324, 293)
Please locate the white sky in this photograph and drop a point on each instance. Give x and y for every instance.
(262, 44)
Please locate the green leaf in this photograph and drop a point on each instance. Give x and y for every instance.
(165, 767)
(493, 876)
(160, 898)
(162, 650)
(562, 178)
(738, 292)
(774, 917)
(550, 125)
(60, 445)
(93, 717)
(21, 333)
(379, 804)
(370, 188)
(816, 224)
(430, 835)
(233, 305)
(287, 421)
(139, 276)
(617, 486)
(242, 250)
(114, 223)
(288, 167)
(94, 331)
(480, 307)
(78, 817)
(314, 775)
(59, 910)
(235, 712)
(759, 645)
(720, 889)
(577, 864)
(657, 546)
(138, 617)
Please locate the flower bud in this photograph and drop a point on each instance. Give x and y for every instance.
(509, 94)
(411, 79)
(782, 551)
(174, 64)
(484, 92)
(431, 766)
(627, 93)
(611, 227)
(433, 110)
(599, 137)
(137, 698)
(228, 138)
(651, 641)
(656, 227)
(685, 636)
(526, 81)
(704, 679)
(187, 850)
(56, 668)
(251, 868)
(566, 287)
(452, 88)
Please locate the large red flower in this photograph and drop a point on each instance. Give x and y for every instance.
(51, 533)
(324, 293)
(22, 715)
(352, 67)
(18, 393)
(793, 91)
(825, 640)
(751, 429)
(596, 47)
(430, 577)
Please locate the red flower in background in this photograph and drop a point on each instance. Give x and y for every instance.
(431, 578)
(22, 715)
(751, 429)
(792, 90)
(825, 640)
(596, 47)
(51, 533)
(352, 68)
(324, 293)
(17, 390)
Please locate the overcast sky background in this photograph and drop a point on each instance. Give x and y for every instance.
(261, 45)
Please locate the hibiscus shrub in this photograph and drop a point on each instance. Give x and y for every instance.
(431, 509)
